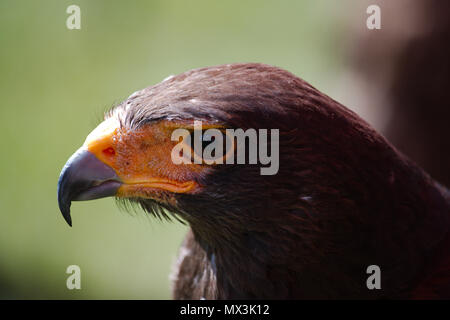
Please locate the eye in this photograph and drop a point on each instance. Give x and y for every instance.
(215, 138)
(202, 139)
(109, 151)
(197, 139)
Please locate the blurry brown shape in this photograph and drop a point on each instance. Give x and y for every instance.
(407, 62)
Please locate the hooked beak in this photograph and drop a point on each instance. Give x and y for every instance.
(85, 177)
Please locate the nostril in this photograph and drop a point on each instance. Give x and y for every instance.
(109, 151)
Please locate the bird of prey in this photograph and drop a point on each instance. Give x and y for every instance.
(342, 200)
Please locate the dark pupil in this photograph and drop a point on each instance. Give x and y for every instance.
(201, 142)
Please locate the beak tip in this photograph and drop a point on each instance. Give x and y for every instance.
(68, 220)
(65, 210)
(76, 181)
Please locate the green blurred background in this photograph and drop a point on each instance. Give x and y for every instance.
(55, 85)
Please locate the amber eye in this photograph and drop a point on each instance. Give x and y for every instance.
(109, 151)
